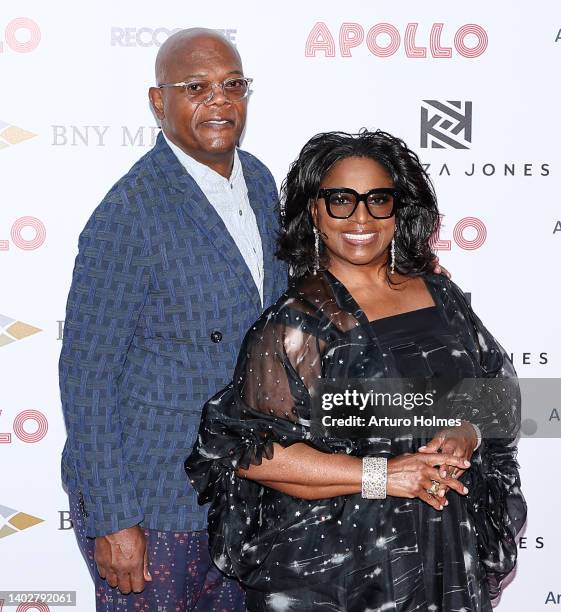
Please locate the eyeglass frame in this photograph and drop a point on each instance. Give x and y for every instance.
(185, 84)
(325, 194)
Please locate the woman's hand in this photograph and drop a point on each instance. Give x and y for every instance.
(411, 474)
(457, 441)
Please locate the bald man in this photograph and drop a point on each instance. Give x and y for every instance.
(173, 266)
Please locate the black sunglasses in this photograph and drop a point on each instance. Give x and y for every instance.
(341, 202)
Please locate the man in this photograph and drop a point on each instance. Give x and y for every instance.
(173, 267)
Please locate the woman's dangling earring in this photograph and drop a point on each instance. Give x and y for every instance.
(392, 263)
(316, 259)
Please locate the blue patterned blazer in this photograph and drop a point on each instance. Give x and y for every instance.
(159, 304)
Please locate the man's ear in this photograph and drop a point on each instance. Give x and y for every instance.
(157, 102)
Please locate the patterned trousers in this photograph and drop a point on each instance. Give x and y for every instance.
(184, 579)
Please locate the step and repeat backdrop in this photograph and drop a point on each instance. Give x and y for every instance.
(473, 87)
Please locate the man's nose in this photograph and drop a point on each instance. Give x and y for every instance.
(216, 95)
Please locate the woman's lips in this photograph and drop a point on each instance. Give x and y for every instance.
(360, 238)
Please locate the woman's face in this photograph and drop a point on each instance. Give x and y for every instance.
(361, 239)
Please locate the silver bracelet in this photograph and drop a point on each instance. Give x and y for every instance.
(478, 435)
(374, 477)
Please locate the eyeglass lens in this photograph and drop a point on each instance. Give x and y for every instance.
(343, 204)
(234, 89)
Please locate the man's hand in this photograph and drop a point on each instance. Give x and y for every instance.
(122, 559)
(457, 441)
(438, 269)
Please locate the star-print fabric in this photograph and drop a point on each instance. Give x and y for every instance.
(347, 553)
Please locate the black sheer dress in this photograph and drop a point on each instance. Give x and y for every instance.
(347, 553)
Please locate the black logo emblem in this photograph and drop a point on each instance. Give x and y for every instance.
(446, 124)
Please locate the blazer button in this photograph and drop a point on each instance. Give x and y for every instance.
(216, 336)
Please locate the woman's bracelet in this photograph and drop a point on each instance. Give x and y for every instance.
(477, 432)
(478, 435)
(374, 477)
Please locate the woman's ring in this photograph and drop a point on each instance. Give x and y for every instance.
(433, 490)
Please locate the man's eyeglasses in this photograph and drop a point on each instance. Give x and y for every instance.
(202, 92)
(341, 203)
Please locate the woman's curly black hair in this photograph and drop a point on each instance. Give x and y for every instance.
(416, 214)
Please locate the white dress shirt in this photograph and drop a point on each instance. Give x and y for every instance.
(230, 200)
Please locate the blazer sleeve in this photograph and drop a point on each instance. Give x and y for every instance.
(108, 291)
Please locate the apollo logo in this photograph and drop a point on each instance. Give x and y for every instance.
(22, 430)
(469, 234)
(385, 39)
(12, 330)
(21, 35)
(13, 521)
(12, 135)
(446, 125)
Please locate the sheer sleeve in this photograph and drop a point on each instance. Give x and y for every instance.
(268, 401)
(497, 505)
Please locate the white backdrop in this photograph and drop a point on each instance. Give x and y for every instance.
(74, 97)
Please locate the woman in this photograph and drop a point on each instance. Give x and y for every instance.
(318, 522)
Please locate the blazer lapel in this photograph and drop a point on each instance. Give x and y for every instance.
(266, 230)
(203, 213)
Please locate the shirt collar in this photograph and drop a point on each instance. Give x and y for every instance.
(202, 174)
